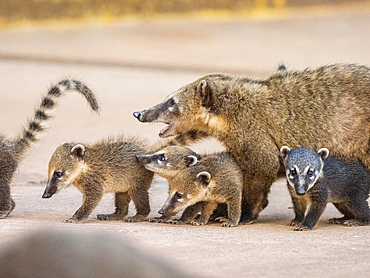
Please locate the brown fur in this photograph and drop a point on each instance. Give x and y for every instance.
(12, 151)
(197, 184)
(109, 166)
(328, 106)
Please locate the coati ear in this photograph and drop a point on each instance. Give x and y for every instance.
(78, 150)
(323, 152)
(204, 178)
(191, 160)
(284, 150)
(205, 94)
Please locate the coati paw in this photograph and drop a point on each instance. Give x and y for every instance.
(338, 221)
(221, 219)
(5, 213)
(354, 223)
(294, 222)
(197, 223)
(301, 227)
(135, 218)
(74, 220)
(157, 220)
(176, 222)
(112, 216)
(229, 224)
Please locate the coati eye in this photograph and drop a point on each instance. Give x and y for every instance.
(310, 173)
(58, 174)
(293, 171)
(162, 157)
(171, 102)
(178, 195)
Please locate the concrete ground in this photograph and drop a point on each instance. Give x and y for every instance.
(132, 65)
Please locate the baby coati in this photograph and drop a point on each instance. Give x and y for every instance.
(108, 166)
(12, 151)
(314, 178)
(197, 183)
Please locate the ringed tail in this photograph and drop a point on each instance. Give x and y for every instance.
(44, 112)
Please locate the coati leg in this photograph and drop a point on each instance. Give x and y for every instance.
(360, 210)
(207, 209)
(342, 207)
(259, 174)
(255, 193)
(188, 215)
(299, 206)
(122, 200)
(6, 203)
(89, 202)
(140, 197)
(234, 211)
(317, 207)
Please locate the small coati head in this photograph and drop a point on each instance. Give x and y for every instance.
(303, 167)
(191, 106)
(188, 188)
(65, 165)
(169, 161)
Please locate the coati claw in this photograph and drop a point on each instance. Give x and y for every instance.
(135, 218)
(113, 216)
(228, 224)
(354, 223)
(157, 220)
(294, 222)
(300, 227)
(221, 219)
(176, 222)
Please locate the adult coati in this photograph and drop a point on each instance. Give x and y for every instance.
(328, 106)
(12, 151)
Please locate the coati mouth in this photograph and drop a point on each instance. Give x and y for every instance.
(163, 133)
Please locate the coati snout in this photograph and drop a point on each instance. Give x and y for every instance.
(169, 161)
(187, 194)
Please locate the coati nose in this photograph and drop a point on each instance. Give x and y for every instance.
(137, 115)
(161, 211)
(300, 191)
(46, 195)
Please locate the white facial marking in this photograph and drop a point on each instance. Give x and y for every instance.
(81, 167)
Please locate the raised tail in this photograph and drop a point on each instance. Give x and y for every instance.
(44, 112)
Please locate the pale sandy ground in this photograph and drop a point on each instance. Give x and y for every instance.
(132, 65)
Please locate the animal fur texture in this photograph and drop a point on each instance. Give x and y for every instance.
(12, 151)
(197, 184)
(109, 166)
(314, 178)
(327, 106)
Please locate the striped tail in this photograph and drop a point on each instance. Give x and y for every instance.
(44, 112)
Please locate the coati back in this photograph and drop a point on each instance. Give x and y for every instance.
(254, 118)
(108, 166)
(13, 151)
(198, 183)
(314, 178)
